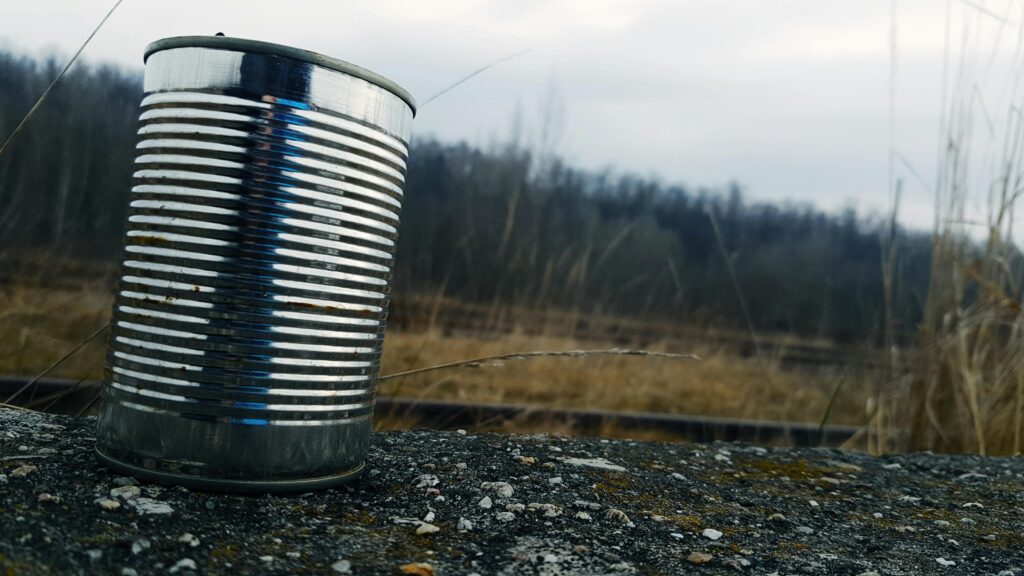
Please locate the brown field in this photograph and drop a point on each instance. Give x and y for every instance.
(38, 325)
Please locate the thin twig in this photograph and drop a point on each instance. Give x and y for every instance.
(739, 293)
(57, 363)
(476, 362)
(46, 92)
(471, 75)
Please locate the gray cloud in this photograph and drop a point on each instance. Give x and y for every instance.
(789, 98)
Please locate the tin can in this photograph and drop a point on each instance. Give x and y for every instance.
(249, 316)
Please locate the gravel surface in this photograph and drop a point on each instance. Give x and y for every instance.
(454, 503)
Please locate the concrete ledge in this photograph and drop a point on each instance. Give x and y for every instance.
(450, 503)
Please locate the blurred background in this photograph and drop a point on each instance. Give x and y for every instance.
(816, 198)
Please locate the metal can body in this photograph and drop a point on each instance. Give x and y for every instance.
(249, 316)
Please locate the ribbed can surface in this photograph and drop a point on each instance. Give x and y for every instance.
(249, 316)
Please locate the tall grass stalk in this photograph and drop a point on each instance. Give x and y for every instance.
(966, 389)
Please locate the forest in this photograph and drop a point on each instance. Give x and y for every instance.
(499, 224)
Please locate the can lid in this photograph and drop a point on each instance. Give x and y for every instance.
(256, 46)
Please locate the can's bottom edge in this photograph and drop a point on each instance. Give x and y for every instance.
(224, 485)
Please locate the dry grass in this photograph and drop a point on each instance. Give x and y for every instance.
(40, 324)
(719, 384)
(963, 389)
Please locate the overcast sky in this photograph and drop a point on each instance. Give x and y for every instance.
(788, 98)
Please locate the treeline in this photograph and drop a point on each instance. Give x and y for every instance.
(499, 225)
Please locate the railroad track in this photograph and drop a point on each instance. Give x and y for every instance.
(78, 397)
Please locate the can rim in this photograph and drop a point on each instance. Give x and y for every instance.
(260, 47)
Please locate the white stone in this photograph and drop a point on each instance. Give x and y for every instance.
(183, 564)
(711, 534)
(150, 506)
(125, 492)
(427, 528)
(601, 463)
(502, 489)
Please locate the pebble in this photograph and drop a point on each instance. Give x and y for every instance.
(94, 554)
(601, 463)
(502, 489)
(526, 460)
(464, 525)
(22, 471)
(617, 515)
(732, 563)
(941, 523)
(679, 476)
(429, 517)
(550, 558)
(108, 504)
(990, 537)
(776, 518)
(585, 504)
(426, 481)
(417, 569)
(893, 466)
(45, 497)
(125, 492)
(876, 515)
(150, 506)
(711, 534)
(516, 507)
(140, 545)
(555, 480)
(189, 538)
(581, 515)
(129, 572)
(804, 530)
(183, 564)
(944, 562)
(125, 481)
(678, 536)
(699, 558)
(549, 510)
(869, 573)
(505, 516)
(427, 528)
(485, 503)
(461, 465)
(813, 503)
(342, 567)
(658, 518)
